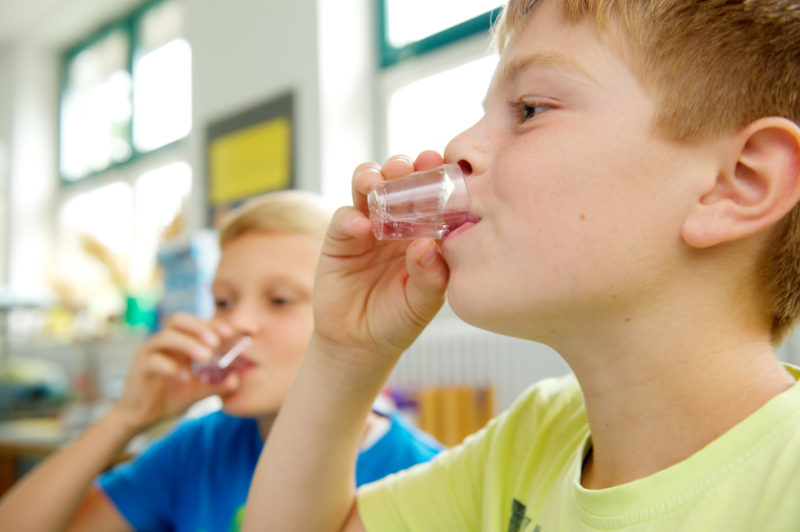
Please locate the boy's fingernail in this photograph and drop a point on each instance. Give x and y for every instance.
(400, 157)
(371, 169)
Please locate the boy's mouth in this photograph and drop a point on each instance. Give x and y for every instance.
(463, 226)
(241, 364)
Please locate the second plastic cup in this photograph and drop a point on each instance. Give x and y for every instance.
(426, 204)
(224, 360)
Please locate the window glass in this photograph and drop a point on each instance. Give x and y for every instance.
(428, 112)
(160, 196)
(162, 79)
(96, 109)
(413, 20)
(105, 213)
(130, 221)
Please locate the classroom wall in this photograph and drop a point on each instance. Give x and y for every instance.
(28, 123)
(5, 134)
(245, 53)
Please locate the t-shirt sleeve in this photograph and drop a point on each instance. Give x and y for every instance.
(143, 489)
(443, 494)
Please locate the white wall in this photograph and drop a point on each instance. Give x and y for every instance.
(31, 150)
(5, 135)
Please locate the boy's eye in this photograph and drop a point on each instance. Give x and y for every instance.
(526, 110)
(222, 304)
(281, 301)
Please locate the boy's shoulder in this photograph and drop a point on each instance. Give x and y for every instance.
(549, 398)
(550, 416)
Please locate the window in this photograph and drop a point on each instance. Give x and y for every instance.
(127, 91)
(123, 222)
(125, 106)
(162, 77)
(435, 69)
(426, 113)
(96, 107)
(414, 27)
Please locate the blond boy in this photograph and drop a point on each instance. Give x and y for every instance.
(197, 477)
(636, 178)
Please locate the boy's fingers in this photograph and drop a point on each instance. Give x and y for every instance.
(347, 233)
(180, 343)
(162, 365)
(427, 281)
(397, 166)
(364, 176)
(428, 159)
(367, 174)
(193, 326)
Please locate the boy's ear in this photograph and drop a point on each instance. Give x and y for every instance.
(754, 191)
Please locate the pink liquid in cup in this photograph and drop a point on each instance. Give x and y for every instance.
(224, 362)
(426, 204)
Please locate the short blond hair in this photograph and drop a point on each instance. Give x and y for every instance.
(713, 67)
(285, 211)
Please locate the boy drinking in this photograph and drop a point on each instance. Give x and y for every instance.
(636, 177)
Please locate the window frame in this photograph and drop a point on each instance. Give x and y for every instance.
(390, 55)
(130, 25)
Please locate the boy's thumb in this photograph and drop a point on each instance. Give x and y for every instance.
(427, 278)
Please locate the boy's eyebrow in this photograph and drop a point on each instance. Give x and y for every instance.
(546, 59)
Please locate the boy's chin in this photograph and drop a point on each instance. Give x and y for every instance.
(239, 406)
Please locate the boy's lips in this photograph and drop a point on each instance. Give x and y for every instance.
(241, 363)
(465, 226)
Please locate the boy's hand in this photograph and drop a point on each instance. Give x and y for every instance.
(160, 381)
(373, 298)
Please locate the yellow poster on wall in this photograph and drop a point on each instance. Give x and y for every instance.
(250, 161)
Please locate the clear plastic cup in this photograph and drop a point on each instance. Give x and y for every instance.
(426, 204)
(223, 361)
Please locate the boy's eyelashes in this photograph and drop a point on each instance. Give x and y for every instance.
(281, 301)
(271, 300)
(523, 110)
(222, 304)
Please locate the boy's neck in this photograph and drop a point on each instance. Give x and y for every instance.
(646, 417)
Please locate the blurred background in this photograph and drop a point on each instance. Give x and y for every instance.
(128, 127)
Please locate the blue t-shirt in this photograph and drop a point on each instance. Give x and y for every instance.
(197, 477)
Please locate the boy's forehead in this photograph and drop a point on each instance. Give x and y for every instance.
(514, 64)
(546, 40)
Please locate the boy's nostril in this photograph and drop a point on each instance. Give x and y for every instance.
(466, 168)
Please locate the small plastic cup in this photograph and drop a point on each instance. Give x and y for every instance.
(223, 362)
(426, 204)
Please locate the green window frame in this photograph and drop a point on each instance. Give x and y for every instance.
(129, 26)
(390, 55)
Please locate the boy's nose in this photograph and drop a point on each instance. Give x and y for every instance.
(244, 320)
(469, 150)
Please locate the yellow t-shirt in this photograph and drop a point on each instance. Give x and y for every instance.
(521, 473)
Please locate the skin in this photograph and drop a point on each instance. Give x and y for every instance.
(629, 253)
(268, 299)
